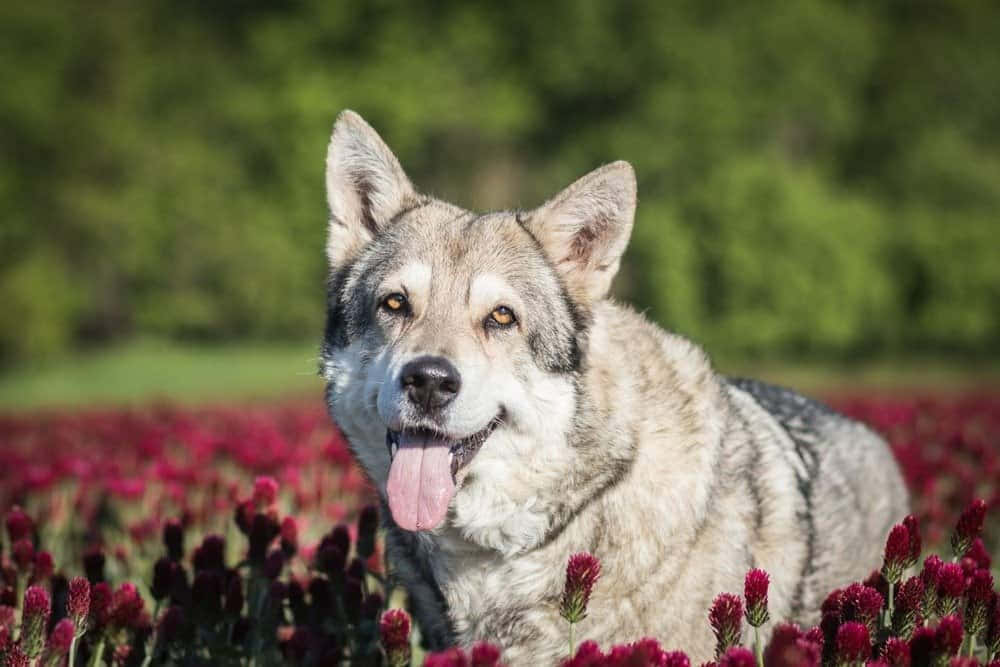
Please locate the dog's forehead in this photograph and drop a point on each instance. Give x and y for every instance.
(467, 244)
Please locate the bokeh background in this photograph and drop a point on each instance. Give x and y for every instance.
(819, 180)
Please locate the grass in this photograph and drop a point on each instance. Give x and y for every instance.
(147, 370)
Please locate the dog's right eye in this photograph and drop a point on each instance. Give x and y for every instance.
(395, 303)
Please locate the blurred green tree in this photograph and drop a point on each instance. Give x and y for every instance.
(818, 178)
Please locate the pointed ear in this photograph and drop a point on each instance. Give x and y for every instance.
(365, 187)
(584, 229)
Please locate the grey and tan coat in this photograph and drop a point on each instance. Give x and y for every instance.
(510, 414)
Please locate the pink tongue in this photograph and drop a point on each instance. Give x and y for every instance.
(420, 485)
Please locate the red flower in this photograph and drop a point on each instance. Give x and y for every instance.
(896, 652)
(726, 619)
(100, 603)
(19, 524)
(970, 525)
(16, 657)
(737, 656)
(862, 604)
(979, 597)
(43, 566)
(37, 608)
(23, 553)
(790, 648)
(62, 637)
(265, 491)
(908, 601)
(78, 601)
(484, 654)
(582, 573)
(948, 636)
(913, 530)
(950, 587)
(588, 654)
(755, 592)
(394, 632)
(126, 606)
(978, 554)
(992, 634)
(897, 553)
(853, 643)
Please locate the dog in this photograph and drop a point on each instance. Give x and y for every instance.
(510, 414)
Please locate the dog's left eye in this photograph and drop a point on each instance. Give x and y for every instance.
(501, 317)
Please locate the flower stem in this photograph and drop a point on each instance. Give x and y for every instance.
(758, 649)
(72, 650)
(97, 657)
(571, 647)
(972, 645)
(888, 617)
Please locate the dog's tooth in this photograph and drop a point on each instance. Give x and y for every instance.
(393, 448)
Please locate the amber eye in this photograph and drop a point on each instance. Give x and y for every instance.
(395, 303)
(502, 316)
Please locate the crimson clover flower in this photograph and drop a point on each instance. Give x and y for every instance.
(62, 637)
(913, 529)
(37, 609)
(394, 632)
(970, 525)
(897, 553)
(16, 657)
(922, 645)
(23, 554)
(484, 654)
(979, 555)
(862, 604)
(853, 643)
(929, 575)
(908, 603)
(755, 593)
(950, 587)
(948, 636)
(265, 491)
(979, 597)
(726, 619)
(896, 652)
(582, 573)
(789, 647)
(992, 634)
(42, 566)
(100, 604)
(78, 602)
(737, 656)
(19, 524)
(126, 606)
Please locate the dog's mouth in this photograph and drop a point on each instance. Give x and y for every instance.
(424, 464)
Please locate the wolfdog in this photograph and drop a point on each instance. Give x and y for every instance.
(510, 414)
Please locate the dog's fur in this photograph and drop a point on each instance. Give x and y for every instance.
(613, 437)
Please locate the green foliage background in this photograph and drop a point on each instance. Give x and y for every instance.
(817, 178)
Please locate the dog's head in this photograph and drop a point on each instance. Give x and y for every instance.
(454, 340)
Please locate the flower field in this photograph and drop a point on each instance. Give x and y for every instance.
(240, 535)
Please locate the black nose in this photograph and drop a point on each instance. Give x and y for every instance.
(430, 382)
